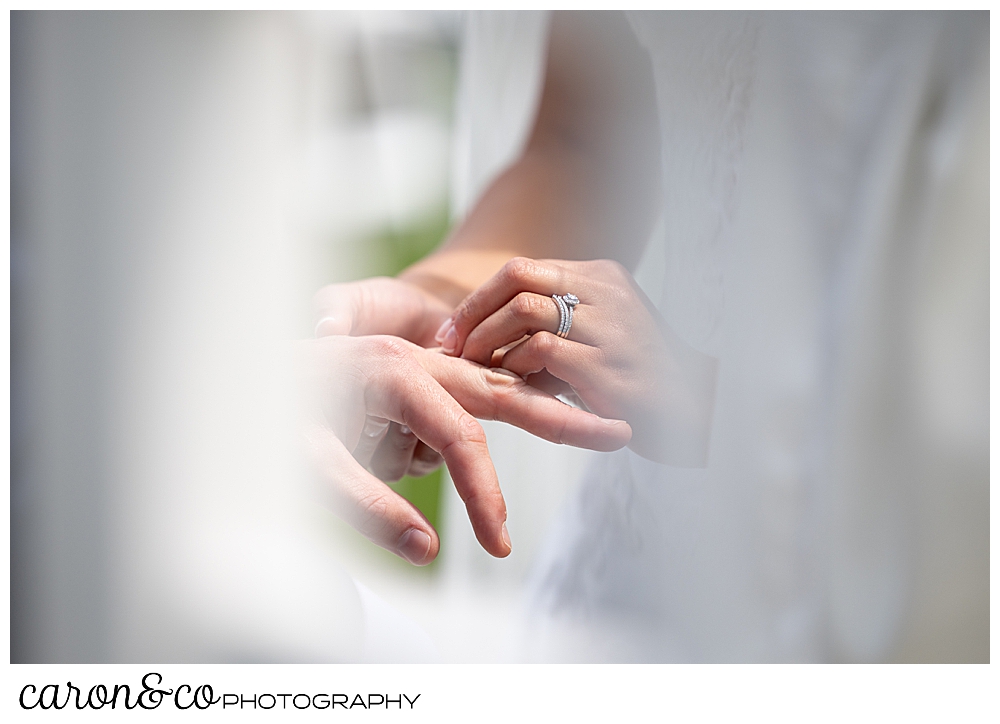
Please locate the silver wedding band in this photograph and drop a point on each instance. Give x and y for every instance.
(566, 303)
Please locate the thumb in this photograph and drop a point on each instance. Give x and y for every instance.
(380, 305)
(331, 324)
(336, 307)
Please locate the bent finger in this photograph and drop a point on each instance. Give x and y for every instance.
(372, 434)
(576, 364)
(407, 394)
(517, 275)
(496, 394)
(369, 505)
(424, 462)
(392, 458)
(525, 314)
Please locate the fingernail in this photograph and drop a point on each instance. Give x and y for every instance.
(414, 545)
(404, 430)
(450, 341)
(328, 326)
(506, 536)
(506, 373)
(443, 329)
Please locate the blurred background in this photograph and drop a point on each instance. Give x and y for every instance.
(181, 185)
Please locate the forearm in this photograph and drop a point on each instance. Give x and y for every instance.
(540, 207)
(586, 185)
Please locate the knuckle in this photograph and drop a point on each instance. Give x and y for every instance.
(612, 268)
(519, 269)
(389, 347)
(373, 510)
(544, 343)
(621, 295)
(461, 313)
(502, 390)
(500, 380)
(525, 305)
(470, 430)
(466, 311)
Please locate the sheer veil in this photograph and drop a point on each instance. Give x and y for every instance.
(824, 234)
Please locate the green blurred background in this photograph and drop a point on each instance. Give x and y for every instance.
(382, 194)
(389, 252)
(386, 252)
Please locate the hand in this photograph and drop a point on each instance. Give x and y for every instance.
(385, 305)
(620, 358)
(380, 305)
(351, 384)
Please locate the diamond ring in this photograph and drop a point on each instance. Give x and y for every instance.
(566, 303)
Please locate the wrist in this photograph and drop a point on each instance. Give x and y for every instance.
(451, 275)
(440, 288)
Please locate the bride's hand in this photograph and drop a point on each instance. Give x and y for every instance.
(620, 358)
(352, 386)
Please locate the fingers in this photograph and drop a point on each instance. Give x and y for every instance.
(374, 430)
(405, 392)
(545, 382)
(369, 505)
(424, 461)
(518, 275)
(577, 364)
(525, 314)
(496, 395)
(381, 305)
(400, 453)
(337, 306)
(392, 458)
(475, 480)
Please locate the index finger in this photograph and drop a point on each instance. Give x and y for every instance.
(497, 394)
(520, 274)
(406, 393)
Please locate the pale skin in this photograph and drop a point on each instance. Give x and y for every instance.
(354, 385)
(572, 214)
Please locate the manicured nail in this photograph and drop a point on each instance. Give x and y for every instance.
(443, 329)
(414, 545)
(506, 536)
(450, 341)
(331, 325)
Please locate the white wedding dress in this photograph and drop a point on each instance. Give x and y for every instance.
(823, 234)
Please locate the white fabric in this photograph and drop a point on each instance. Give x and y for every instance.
(390, 636)
(501, 70)
(824, 234)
